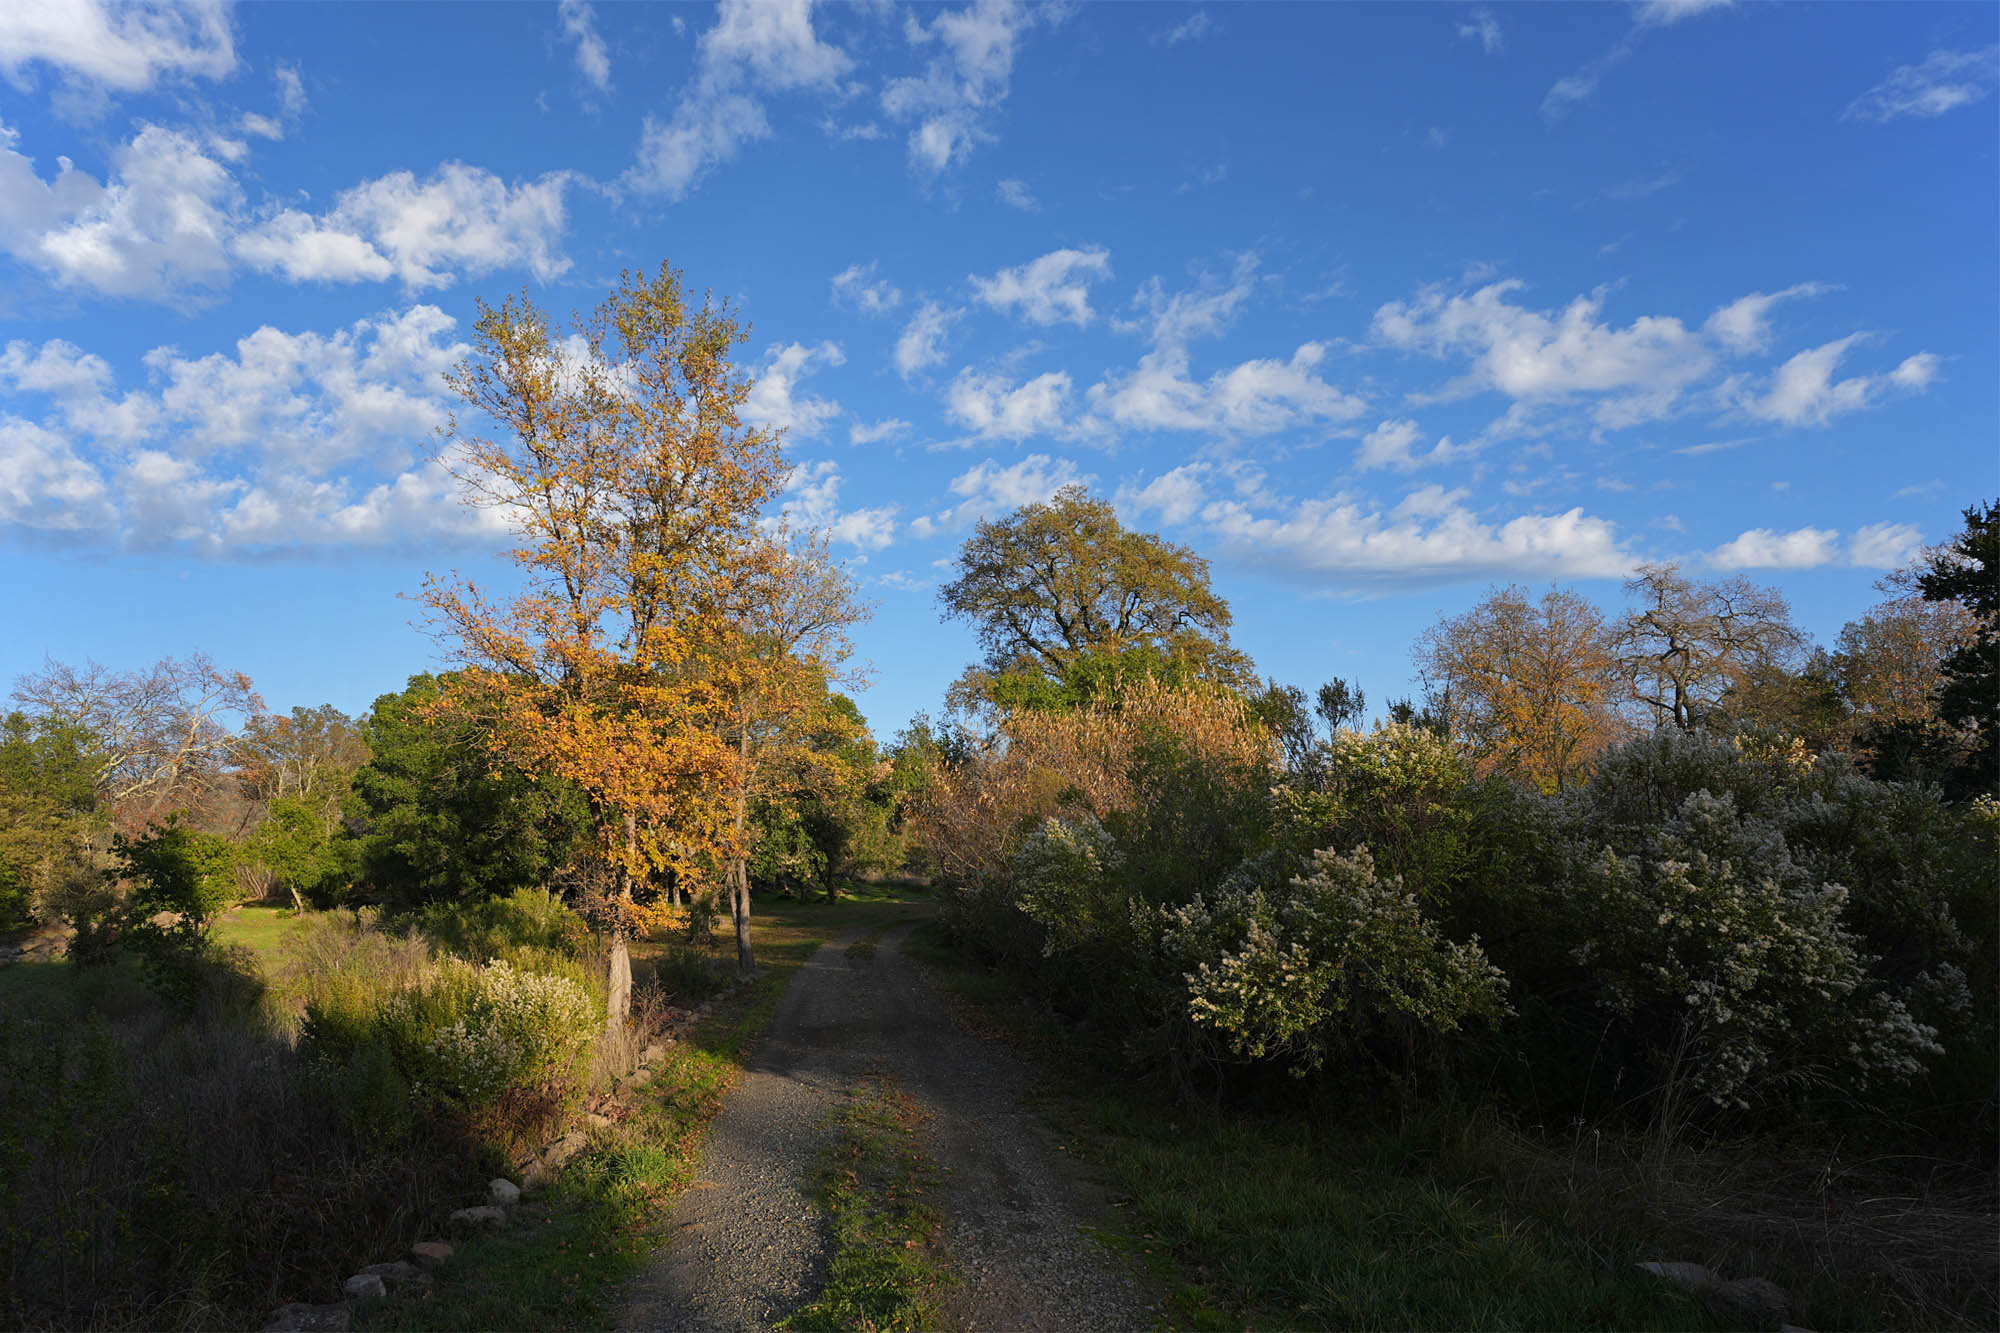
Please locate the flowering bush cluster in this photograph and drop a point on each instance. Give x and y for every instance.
(469, 1033)
(1282, 972)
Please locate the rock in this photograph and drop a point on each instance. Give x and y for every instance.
(365, 1287)
(596, 1121)
(564, 1148)
(640, 1078)
(653, 1054)
(1692, 1277)
(396, 1274)
(432, 1254)
(483, 1218)
(1752, 1302)
(502, 1191)
(301, 1318)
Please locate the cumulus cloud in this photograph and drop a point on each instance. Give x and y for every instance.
(1804, 392)
(857, 285)
(1431, 537)
(994, 407)
(1393, 444)
(288, 441)
(1744, 324)
(461, 219)
(775, 403)
(756, 47)
(874, 432)
(987, 489)
(922, 343)
(1761, 548)
(1054, 289)
(811, 499)
(1943, 81)
(1171, 497)
(951, 104)
(1539, 355)
(579, 27)
(1192, 28)
(125, 47)
(158, 227)
(1885, 545)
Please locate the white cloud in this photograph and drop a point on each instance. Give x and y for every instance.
(158, 228)
(593, 59)
(1483, 28)
(291, 91)
(1431, 537)
(987, 489)
(1191, 28)
(1761, 548)
(1538, 355)
(1016, 194)
(993, 406)
(1744, 324)
(774, 402)
(1174, 497)
(1567, 92)
(756, 46)
(462, 219)
(963, 83)
(126, 47)
(922, 342)
(875, 432)
(857, 285)
(1050, 290)
(1885, 545)
(812, 499)
(1803, 391)
(290, 441)
(1944, 81)
(1393, 445)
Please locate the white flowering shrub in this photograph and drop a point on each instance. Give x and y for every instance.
(1060, 879)
(467, 1033)
(1285, 972)
(1727, 955)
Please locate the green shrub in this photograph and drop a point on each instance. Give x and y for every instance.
(530, 919)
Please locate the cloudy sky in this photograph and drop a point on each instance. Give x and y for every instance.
(1374, 306)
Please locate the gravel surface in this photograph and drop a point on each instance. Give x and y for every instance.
(747, 1244)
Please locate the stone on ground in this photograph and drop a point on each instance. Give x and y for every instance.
(430, 1253)
(502, 1191)
(365, 1287)
(486, 1217)
(301, 1318)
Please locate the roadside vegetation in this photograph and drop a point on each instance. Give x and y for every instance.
(1648, 931)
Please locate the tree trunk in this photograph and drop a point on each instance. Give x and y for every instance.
(618, 978)
(739, 863)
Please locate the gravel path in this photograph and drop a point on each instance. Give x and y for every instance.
(747, 1246)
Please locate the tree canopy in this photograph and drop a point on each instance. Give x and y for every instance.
(1062, 587)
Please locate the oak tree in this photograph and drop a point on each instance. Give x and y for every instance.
(1688, 644)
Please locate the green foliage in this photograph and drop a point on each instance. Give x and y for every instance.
(531, 920)
(1291, 971)
(305, 855)
(49, 815)
(179, 880)
(441, 820)
(1967, 571)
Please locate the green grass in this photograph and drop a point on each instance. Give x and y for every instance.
(261, 929)
(1305, 1221)
(874, 1182)
(565, 1260)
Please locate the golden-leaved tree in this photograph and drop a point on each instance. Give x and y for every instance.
(616, 452)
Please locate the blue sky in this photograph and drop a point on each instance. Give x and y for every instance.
(1373, 306)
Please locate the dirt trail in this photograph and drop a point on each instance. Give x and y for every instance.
(747, 1246)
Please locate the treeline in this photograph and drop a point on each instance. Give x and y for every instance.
(1670, 866)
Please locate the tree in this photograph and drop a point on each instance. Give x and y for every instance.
(440, 820)
(1967, 571)
(1339, 704)
(1690, 643)
(163, 735)
(1055, 583)
(1531, 683)
(619, 460)
(49, 813)
(784, 637)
